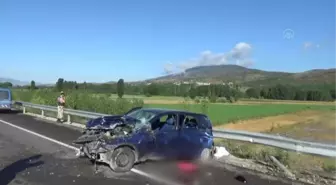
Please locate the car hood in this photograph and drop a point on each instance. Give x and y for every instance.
(5, 101)
(109, 122)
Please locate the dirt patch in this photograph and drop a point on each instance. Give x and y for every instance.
(315, 126)
(251, 102)
(240, 102)
(268, 123)
(162, 101)
(321, 129)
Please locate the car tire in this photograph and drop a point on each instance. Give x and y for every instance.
(122, 159)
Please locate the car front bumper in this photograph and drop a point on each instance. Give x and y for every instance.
(5, 107)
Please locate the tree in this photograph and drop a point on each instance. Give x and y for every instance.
(300, 95)
(192, 93)
(120, 87)
(252, 93)
(32, 85)
(59, 84)
(6, 84)
(151, 89)
(332, 94)
(263, 93)
(84, 85)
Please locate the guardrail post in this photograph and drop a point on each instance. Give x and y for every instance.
(69, 119)
(42, 112)
(24, 110)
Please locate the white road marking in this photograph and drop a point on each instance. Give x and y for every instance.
(39, 135)
(153, 177)
(142, 173)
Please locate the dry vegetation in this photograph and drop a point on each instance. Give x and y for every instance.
(178, 100)
(271, 122)
(266, 101)
(311, 125)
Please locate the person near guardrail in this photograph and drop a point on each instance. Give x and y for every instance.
(60, 107)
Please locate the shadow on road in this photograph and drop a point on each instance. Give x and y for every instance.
(10, 111)
(9, 172)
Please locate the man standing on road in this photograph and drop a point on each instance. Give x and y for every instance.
(60, 107)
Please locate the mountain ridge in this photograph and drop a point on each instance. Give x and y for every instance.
(231, 73)
(244, 75)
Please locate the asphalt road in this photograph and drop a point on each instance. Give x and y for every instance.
(29, 157)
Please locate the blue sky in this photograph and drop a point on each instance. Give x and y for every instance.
(98, 41)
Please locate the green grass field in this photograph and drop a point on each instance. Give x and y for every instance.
(219, 113)
(224, 113)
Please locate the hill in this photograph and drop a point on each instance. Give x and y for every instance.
(236, 74)
(17, 82)
(250, 77)
(13, 81)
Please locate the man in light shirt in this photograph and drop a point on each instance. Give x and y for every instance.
(60, 107)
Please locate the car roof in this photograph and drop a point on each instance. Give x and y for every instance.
(165, 110)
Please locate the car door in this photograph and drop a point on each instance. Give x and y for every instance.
(145, 142)
(190, 137)
(165, 136)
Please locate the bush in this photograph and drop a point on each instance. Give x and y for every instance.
(222, 100)
(213, 99)
(80, 100)
(197, 100)
(232, 99)
(147, 94)
(205, 106)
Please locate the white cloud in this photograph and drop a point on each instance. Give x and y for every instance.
(247, 63)
(240, 54)
(310, 45)
(307, 45)
(168, 68)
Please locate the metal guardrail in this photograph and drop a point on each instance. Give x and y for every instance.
(259, 138)
(79, 113)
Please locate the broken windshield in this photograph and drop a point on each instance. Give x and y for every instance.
(141, 115)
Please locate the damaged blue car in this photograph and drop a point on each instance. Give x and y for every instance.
(147, 133)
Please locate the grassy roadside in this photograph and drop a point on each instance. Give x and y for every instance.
(296, 162)
(319, 127)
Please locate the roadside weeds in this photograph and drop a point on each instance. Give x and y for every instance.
(305, 167)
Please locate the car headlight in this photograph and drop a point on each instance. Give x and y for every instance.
(5, 106)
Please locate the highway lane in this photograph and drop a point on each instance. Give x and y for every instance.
(61, 166)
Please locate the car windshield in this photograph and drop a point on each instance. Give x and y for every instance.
(4, 95)
(142, 115)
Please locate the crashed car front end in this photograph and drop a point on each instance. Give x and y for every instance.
(105, 136)
(102, 135)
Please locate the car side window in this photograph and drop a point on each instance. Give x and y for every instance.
(190, 122)
(168, 120)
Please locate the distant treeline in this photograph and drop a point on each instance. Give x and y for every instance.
(282, 92)
(321, 92)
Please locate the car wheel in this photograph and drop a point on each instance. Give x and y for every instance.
(122, 159)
